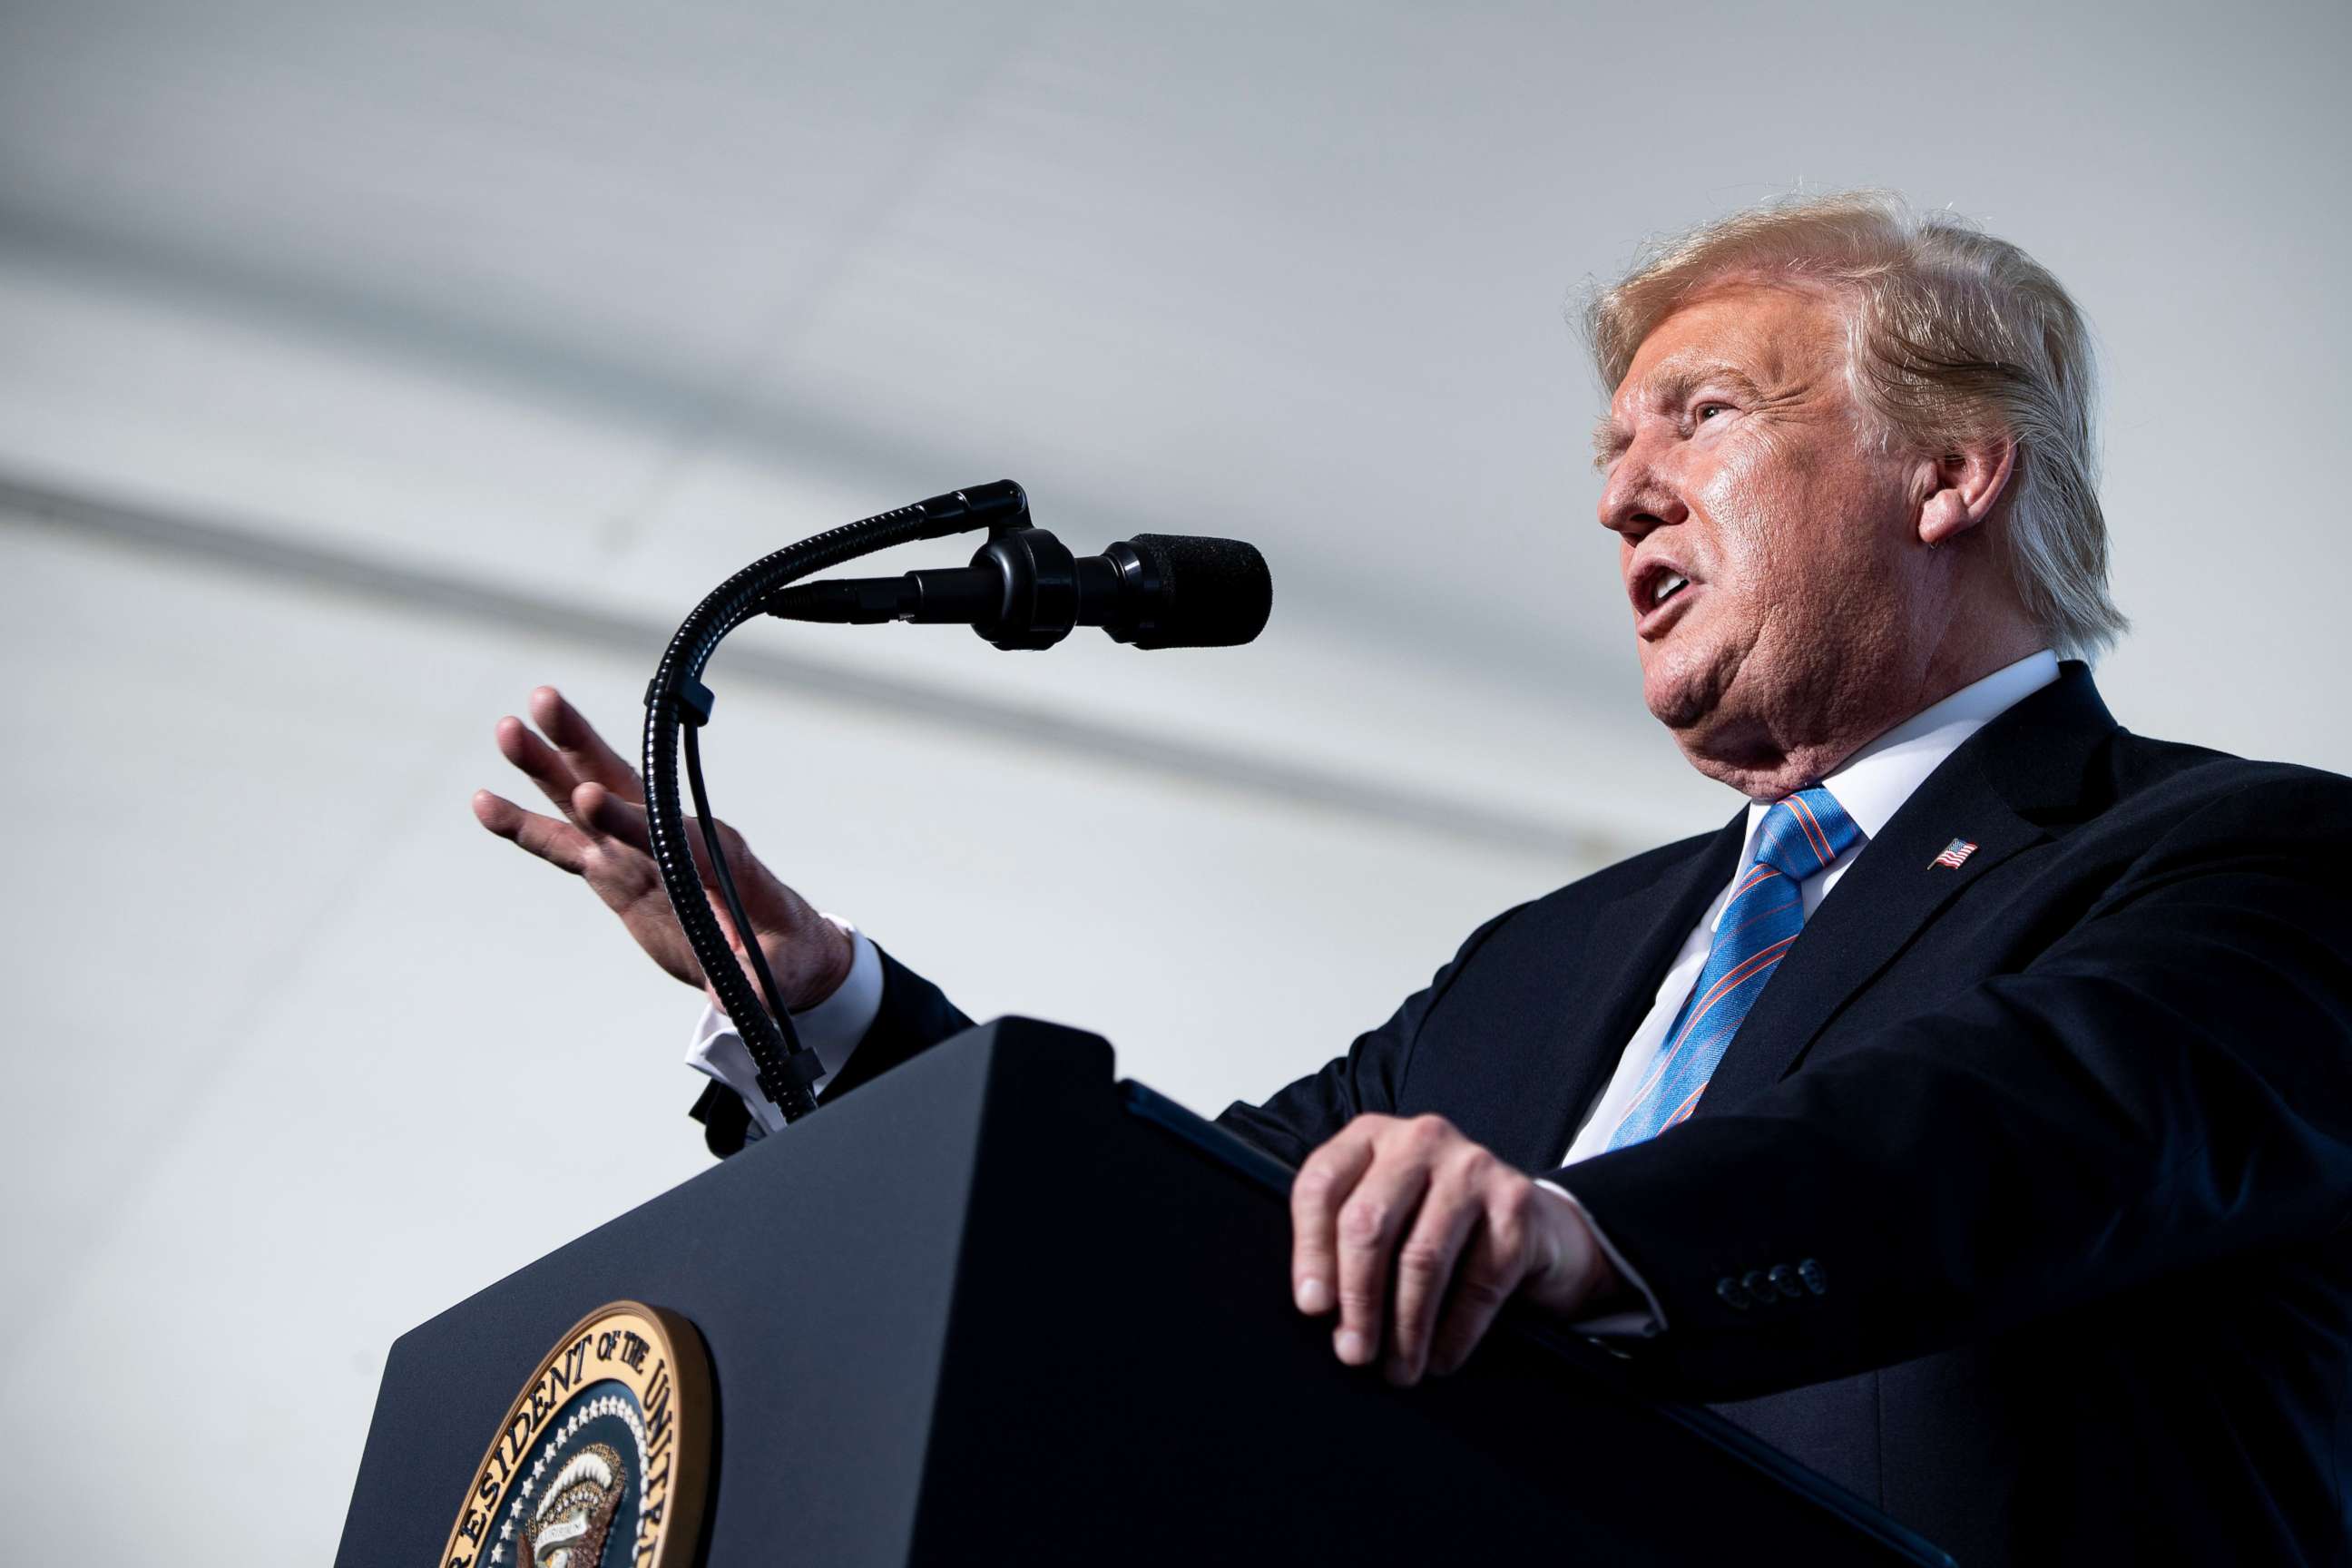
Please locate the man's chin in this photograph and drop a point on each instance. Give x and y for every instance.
(1679, 698)
(1688, 693)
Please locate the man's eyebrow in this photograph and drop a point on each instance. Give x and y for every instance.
(1675, 383)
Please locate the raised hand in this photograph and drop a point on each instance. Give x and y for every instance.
(599, 837)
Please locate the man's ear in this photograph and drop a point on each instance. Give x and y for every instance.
(1963, 485)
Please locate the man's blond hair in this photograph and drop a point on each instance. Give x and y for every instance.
(1951, 335)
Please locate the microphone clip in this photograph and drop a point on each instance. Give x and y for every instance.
(1040, 588)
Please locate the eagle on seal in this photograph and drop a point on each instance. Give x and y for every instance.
(575, 1514)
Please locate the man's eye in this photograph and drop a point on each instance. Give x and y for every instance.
(1704, 409)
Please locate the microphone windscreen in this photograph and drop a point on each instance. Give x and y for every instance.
(1216, 593)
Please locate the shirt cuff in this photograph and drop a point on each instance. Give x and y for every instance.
(831, 1029)
(1644, 1323)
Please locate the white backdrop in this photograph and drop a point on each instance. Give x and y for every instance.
(362, 367)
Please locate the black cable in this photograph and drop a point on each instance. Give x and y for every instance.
(725, 880)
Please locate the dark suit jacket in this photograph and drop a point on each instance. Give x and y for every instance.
(2019, 1204)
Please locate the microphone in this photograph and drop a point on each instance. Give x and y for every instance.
(1024, 590)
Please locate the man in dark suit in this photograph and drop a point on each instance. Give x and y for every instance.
(1970, 1116)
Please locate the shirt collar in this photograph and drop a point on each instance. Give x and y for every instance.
(1873, 783)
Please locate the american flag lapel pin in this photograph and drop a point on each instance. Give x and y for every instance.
(1958, 850)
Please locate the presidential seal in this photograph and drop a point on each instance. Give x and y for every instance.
(600, 1461)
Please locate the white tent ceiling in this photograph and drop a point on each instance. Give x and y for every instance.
(597, 295)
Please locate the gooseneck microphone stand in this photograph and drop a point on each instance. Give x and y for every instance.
(677, 701)
(1023, 590)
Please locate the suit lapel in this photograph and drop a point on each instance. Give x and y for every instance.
(1634, 938)
(2030, 759)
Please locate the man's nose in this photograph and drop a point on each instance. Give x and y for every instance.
(1639, 496)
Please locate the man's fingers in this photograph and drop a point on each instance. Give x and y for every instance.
(1322, 1185)
(497, 813)
(1490, 1271)
(614, 817)
(582, 748)
(557, 842)
(1426, 1261)
(540, 762)
(631, 871)
(1375, 1216)
(767, 901)
(598, 807)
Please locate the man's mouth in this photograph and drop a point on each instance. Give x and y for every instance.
(1654, 589)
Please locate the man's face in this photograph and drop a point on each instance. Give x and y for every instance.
(1737, 464)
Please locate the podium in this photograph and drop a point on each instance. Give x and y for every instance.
(996, 1307)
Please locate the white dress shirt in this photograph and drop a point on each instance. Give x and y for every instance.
(1872, 785)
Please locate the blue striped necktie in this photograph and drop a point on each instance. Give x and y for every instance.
(1799, 839)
